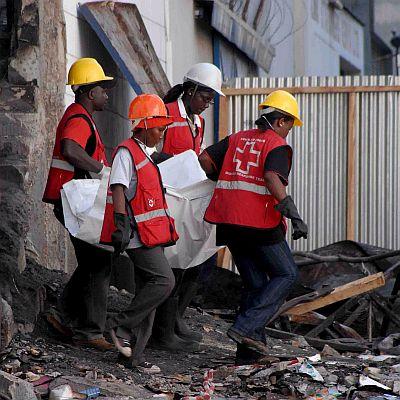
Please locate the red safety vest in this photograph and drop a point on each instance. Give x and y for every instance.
(178, 137)
(241, 196)
(148, 207)
(61, 171)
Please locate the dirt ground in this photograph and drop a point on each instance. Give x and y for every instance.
(291, 370)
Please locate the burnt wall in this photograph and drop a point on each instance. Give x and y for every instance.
(31, 102)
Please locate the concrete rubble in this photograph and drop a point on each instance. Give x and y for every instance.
(300, 362)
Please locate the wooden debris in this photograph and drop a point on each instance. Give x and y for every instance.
(343, 292)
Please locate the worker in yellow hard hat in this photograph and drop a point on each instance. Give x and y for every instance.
(249, 206)
(79, 153)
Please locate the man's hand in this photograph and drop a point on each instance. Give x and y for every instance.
(288, 209)
(121, 236)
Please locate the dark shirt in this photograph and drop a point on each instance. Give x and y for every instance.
(278, 161)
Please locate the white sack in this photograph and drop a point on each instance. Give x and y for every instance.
(182, 170)
(188, 195)
(84, 203)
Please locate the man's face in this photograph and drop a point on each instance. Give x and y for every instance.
(99, 97)
(154, 135)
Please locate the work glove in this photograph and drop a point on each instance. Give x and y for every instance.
(288, 209)
(160, 157)
(122, 235)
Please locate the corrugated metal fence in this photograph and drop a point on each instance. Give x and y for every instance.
(345, 178)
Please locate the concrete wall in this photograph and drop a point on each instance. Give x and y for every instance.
(322, 36)
(190, 43)
(28, 228)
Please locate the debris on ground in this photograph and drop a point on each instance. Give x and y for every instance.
(345, 348)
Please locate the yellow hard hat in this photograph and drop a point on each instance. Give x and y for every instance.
(86, 71)
(283, 101)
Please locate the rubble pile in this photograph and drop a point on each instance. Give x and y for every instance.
(292, 369)
(333, 339)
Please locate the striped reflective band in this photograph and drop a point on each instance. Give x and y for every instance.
(177, 124)
(151, 214)
(61, 164)
(142, 164)
(240, 185)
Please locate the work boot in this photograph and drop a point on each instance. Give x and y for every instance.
(187, 293)
(247, 356)
(98, 344)
(164, 337)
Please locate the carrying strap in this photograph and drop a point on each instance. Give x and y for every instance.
(90, 145)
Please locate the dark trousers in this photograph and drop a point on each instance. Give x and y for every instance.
(83, 303)
(268, 273)
(157, 282)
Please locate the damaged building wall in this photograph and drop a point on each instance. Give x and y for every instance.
(31, 101)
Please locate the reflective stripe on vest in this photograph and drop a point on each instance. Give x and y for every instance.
(147, 207)
(241, 196)
(61, 164)
(142, 164)
(175, 124)
(240, 185)
(150, 215)
(61, 171)
(179, 136)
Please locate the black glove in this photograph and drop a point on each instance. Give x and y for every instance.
(288, 209)
(160, 157)
(122, 235)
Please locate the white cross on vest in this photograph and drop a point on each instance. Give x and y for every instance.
(246, 158)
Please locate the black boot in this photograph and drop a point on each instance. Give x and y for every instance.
(246, 356)
(163, 336)
(187, 293)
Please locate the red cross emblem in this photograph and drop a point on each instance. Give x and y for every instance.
(246, 158)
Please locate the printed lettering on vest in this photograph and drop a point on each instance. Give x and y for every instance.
(241, 196)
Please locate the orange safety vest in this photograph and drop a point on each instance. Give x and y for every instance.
(241, 196)
(61, 171)
(147, 207)
(178, 137)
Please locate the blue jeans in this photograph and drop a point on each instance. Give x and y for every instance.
(268, 273)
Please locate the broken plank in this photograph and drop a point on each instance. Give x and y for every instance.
(358, 311)
(334, 316)
(314, 318)
(381, 303)
(343, 292)
(310, 318)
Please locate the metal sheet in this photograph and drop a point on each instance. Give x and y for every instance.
(238, 31)
(318, 180)
(120, 28)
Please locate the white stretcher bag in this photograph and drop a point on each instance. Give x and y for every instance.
(188, 193)
(182, 170)
(84, 204)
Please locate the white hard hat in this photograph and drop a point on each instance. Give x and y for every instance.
(205, 74)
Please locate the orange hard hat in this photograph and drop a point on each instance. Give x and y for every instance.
(149, 111)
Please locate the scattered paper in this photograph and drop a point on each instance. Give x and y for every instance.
(366, 381)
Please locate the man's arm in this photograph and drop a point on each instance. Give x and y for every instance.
(275, 185)
(207, 163)
(118, 198)
(78, 157)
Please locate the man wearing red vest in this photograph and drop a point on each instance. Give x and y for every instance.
(79, 153)
(249, 205)
(143, 227)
